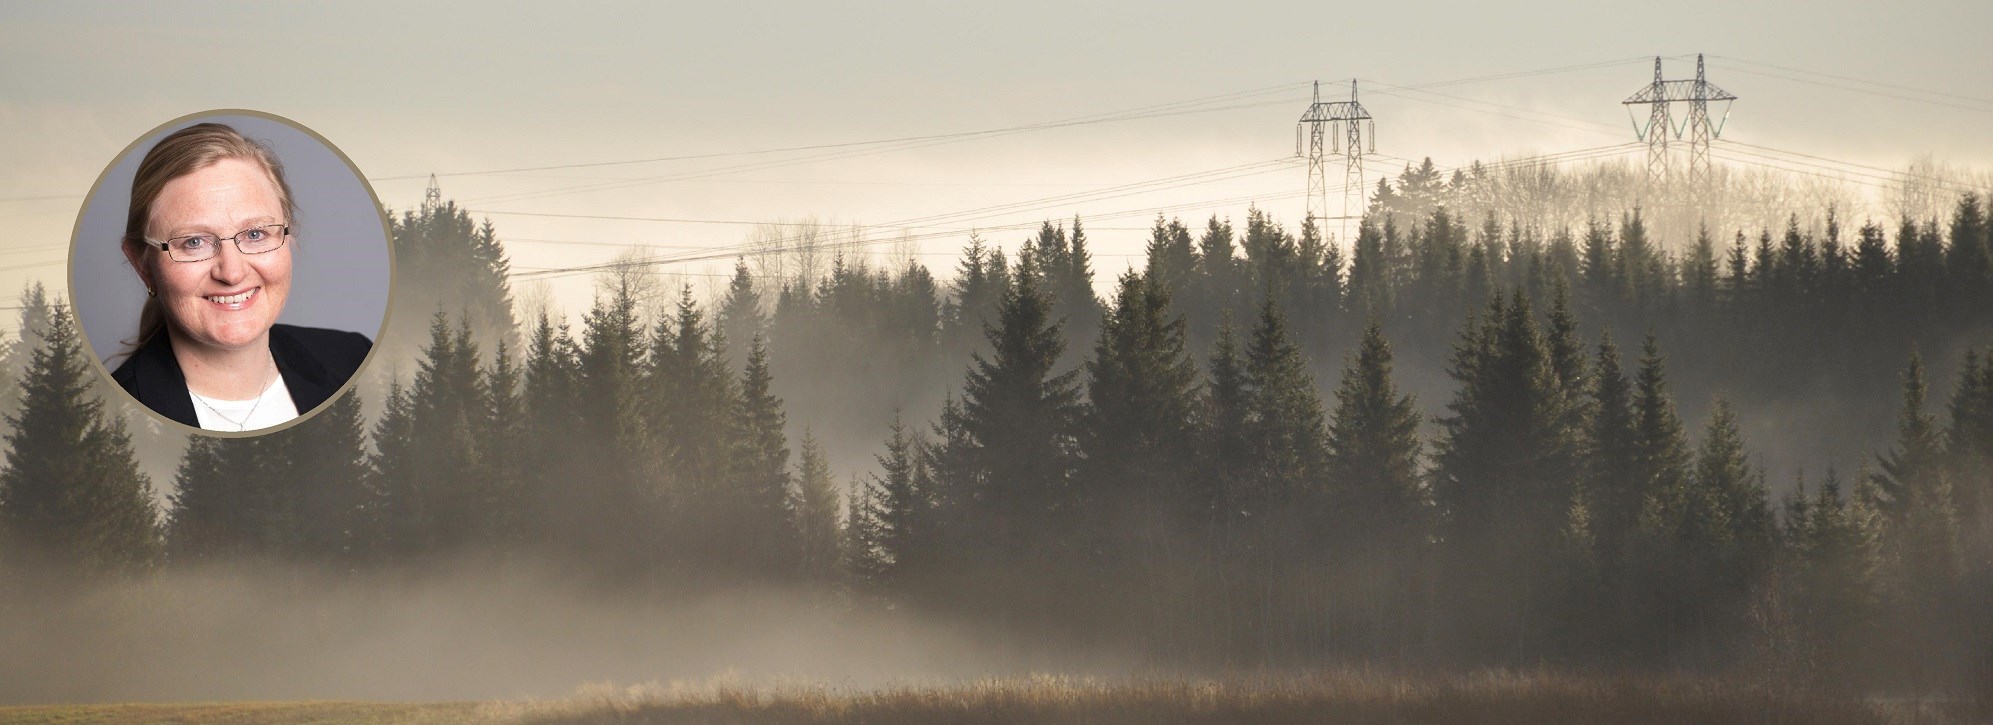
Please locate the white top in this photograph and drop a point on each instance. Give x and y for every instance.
(269, 408)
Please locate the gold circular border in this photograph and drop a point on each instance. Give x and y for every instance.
(387, 236)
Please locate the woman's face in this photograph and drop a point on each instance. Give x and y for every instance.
(230, 300)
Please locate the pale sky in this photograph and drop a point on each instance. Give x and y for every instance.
(407, 90)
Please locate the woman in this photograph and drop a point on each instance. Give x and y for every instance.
(209, 234)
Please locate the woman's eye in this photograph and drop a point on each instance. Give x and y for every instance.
(194, 243)
(254, 235)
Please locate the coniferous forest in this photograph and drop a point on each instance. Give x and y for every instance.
(1453, 442)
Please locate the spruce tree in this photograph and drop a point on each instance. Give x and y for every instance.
(1699, 279)
(447, 463)
(71, 495)
(1704, 542)
(1007, 454)
(1660, 448)
(688, 397)
(551, 431)
(1139, 447)
(760, 474)
(400, 506)
(1969, 454)
(210, 517)
(898, 515)
(1141, 386)
(1369, 283)
(608, 490)
(1284, 413)
(1172, 260)
(1614, 490)
(504, 420)
(1374, 447)
(1381, 509)
(1834, 541)
(1504, 475)
(326, 462)
(815, 509)
(740, 318)
(1226, 445)
(1916, 496)
(15, 355)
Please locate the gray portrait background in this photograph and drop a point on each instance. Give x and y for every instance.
(339, 262)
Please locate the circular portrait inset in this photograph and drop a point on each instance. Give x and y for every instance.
(230, 270)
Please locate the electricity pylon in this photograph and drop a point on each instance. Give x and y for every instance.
(1660, 96)
(432, 196)
(1350, 126)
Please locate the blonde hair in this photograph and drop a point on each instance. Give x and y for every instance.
(181, 153)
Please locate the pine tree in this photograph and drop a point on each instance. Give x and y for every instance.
(71, 494)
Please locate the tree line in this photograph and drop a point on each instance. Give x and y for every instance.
(1163, 469)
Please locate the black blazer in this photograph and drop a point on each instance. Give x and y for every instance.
(313, 361)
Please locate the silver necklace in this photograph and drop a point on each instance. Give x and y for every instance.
(240, 425)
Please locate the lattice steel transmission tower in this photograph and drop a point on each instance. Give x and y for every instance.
(432, 196)
(1660, 96)
(1337, 128)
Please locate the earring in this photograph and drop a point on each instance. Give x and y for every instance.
(151, 293)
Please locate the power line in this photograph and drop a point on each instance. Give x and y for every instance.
(775, 164)
(1106, 117)
(1894, 86)
(1856, 89)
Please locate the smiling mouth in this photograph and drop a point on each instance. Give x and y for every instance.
(234, 299)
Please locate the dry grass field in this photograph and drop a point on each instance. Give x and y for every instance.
(1537, 699)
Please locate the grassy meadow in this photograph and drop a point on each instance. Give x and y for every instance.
(1535, 698)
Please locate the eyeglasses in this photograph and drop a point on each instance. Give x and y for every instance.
(198, 247)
